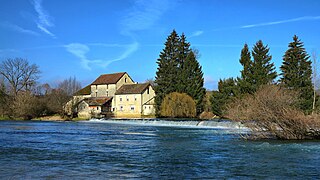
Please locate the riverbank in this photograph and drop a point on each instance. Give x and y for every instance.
(51, 118)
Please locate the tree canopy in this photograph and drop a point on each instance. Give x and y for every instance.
(19, 74)
(296, 73)
(178, 71)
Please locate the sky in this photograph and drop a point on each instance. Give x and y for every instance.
(87, 38)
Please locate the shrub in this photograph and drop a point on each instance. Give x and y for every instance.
(178, 105)
(271, 112)
(27, 106)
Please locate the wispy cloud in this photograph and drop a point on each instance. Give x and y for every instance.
(195, 34)
(304, 18)
(19, 29)
(81, 50)
(143, 15)
(42, 28)
(44, 20)
(131, 48)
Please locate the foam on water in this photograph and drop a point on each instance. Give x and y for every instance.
(213, 124)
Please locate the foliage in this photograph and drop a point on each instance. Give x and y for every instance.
(69, 86)
(192, 81)
(178, 71)
(296, 73)
(27, 106)
(20, 75)
(56, 100)
(4, 98)
(246, 80)
(207, 101)
(227, 90)
(263, 71)
(270, 112)
(178, 105)
(166, 75)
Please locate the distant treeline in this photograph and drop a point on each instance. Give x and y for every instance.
(22, 97)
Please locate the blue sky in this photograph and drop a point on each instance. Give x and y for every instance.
(85, 38)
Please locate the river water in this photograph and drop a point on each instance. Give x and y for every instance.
(111, 150)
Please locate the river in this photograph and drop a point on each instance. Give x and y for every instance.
(123, 150)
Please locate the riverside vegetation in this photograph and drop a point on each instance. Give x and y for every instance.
(287, 108)
(21, 97)
(284, 109)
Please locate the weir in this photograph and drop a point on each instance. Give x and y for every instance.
(216, 124)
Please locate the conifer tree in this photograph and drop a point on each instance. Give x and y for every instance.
(178, 71)
(296, 73)
(192, 80)
(263, 71)
(184, 49)
(245, 82)
(166, 75)
(227, 90)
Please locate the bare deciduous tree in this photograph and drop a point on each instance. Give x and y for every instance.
(70, 86)
(19, 74)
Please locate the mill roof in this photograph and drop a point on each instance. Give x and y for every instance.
(94, 101)
(108, 78)
(132, 88)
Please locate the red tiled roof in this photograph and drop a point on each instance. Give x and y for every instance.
(132, 88)
(108, 78)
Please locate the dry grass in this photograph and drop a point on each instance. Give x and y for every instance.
(207, 115)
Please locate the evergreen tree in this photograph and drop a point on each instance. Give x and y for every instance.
(296, 73)
(263, 71)
(245, 82)
(166, 75)
(184, 49)
(192, 80)
(178, 71)
(227, 90)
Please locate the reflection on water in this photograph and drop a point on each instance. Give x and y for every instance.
(70, 150)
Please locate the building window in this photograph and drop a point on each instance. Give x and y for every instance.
(132, 108)
(107, 93)
(125, 80)
(145, 107)
(135, 98)
(107, 86)
(120, 98)
(127, 98)
(97, 108)
(113, 109)
(148, 91)
(96, 94)
(121, 108)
